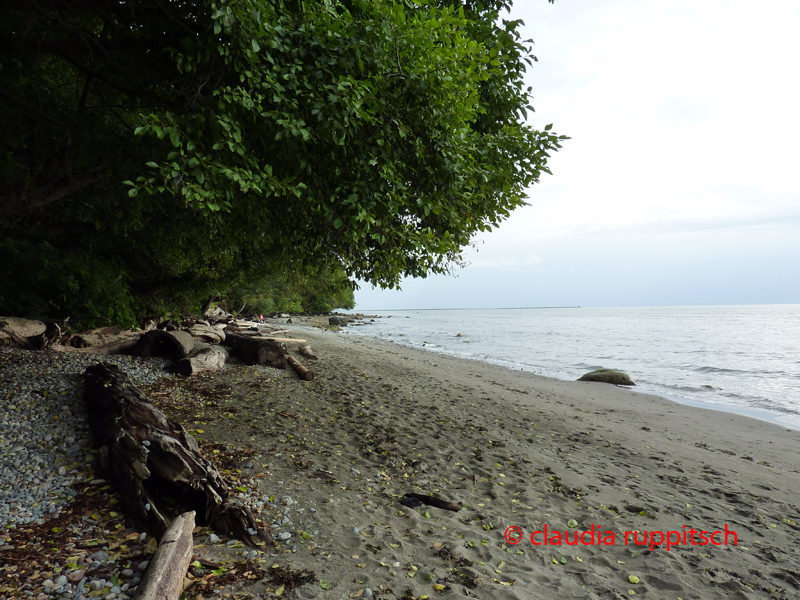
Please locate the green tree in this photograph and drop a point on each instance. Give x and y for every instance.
(376, 137)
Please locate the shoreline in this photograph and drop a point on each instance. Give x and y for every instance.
(327, 463)
(785, 420)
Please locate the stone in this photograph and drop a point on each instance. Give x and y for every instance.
(99, 556)
(608, 376)
(338, 321)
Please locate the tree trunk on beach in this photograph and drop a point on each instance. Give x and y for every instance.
(301, 371)
(174, 345)
(210, 358)
(156, 462)
(257, 351)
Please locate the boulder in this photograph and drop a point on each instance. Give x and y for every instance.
(608, 376)
(338, 321)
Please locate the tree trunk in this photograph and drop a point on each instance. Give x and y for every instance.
(301, 371)
(155, 461)
(307, 352)
(167, 570)
(207, 333)
(210, 358)
(170, 344)
(257, 351)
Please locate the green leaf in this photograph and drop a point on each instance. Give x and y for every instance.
(152, 165)
(256, 47)
(132, 192)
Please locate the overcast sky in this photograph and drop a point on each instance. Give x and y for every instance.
(681, 183)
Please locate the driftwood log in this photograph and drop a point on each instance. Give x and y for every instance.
(257, 351)
(104, 343)
(167, 570)
(156, 462)
(210, 358)
(301, 371)
(174, 345)
(307, 352)
(207, 333)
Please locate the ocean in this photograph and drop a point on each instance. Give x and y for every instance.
(741, 359)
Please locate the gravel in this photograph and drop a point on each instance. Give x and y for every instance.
(45, 448)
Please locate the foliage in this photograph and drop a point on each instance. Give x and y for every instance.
(257, 138)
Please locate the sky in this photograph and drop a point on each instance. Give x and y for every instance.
(680, 184)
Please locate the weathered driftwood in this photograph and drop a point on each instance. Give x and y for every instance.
(155, 461)
(171, 344)
(23, 327)
(164, 577)
(301, 371)
(118, 344)
(207, 333)
(27, 343)
(210, 358)
(286, 340)
(257, 351)
(105, 341)
(307, 352)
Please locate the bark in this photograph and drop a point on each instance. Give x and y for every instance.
(301, 371)
(156, 462)
(210, 358)
(257, 351)
(167, 570)
(174, 345)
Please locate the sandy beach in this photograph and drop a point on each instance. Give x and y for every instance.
(523, 454)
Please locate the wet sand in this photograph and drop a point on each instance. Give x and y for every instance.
(516, 450)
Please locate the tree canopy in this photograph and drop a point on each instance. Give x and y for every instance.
(155, 151)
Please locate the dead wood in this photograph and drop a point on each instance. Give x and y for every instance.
(174, 345)
(210, 358)
(257, 351)
(156, 462)
(167, 570)
(24, 342)
(307, 352)
(207, 333)
(301, 371)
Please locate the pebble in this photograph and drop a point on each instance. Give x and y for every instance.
(284, 536)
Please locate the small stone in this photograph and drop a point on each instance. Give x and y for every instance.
(110, 596)
(284, 536)
(76, 576)
(356, 530)
(142, 566)
(368, 592)
(60, 580)
(99, 556)
(96, 585)
(213, 538)
(252, 554)
(127, 573)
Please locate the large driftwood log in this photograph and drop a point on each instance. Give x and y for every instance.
(105, 341)
(210, 358)
(257, 351)
(174, 345)
(207, 333)
(307, 352)
(27, 343)
(167, 570)
(156, 462)
(301, 371)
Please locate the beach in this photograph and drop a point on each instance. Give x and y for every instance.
(567, 489)
(517, 451)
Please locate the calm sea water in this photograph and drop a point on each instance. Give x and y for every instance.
(743, 359)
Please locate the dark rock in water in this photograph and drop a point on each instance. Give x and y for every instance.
(608, 376)
(339, 321)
